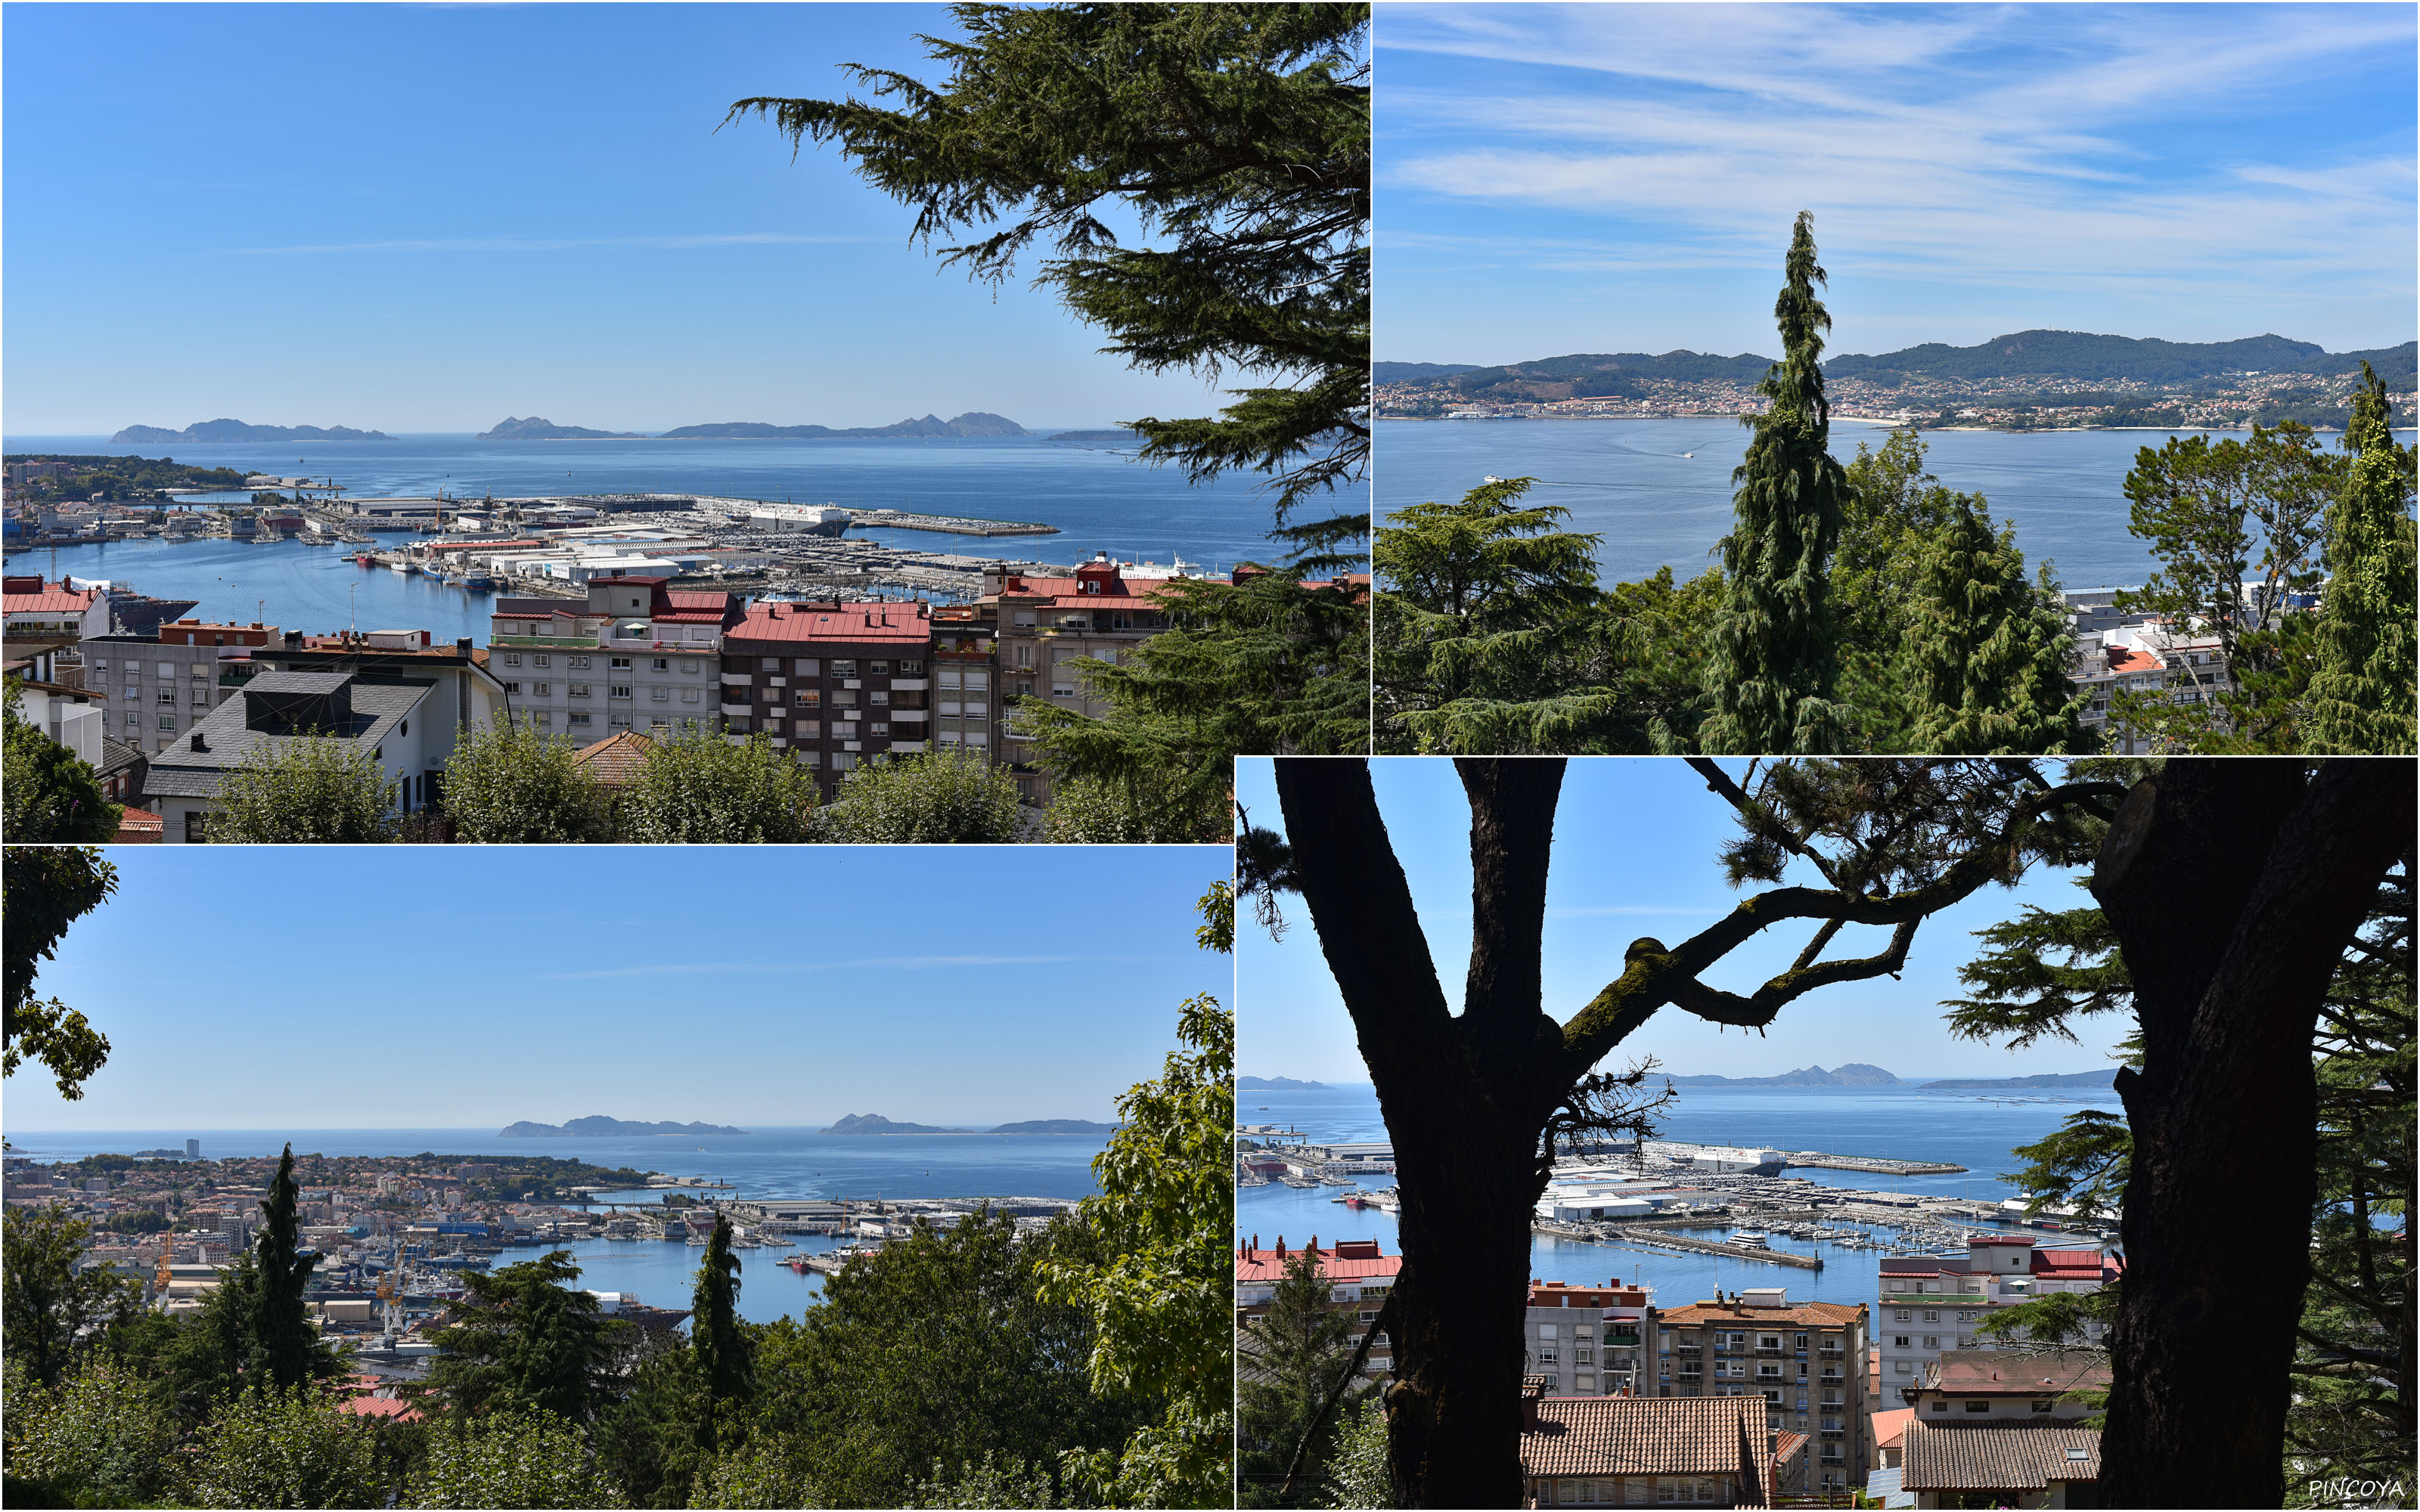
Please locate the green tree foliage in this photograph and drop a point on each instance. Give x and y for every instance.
(45, 1304)
(285, 1349)
(1773, 668)
(1272, 663)
(1156, 1280)
(1152, 807)
(1358, 1475)
(1493, 636)
(510, 1459)
(648, 1441)
(726, 1364)
(510, 785)
(44, 890)
(523, 1340)
(947, 796)
(304, 792)
(2362, 690)
(1293, 1355)
(2348, 1416)
(1987, 653)
(2219, 516)
(1012, 1483)
(939, 1349)
(47, 791)
(98, 1439)
(699, 788)
(1236, 135)
(762, 1473)
(299, 1448)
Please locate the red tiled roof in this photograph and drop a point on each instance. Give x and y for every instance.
(379, 1407)
(32, 595)
(1647, 1436)
(1891, 1428)
(2004, 1455)
(1345, 1260)
(2124, 660)
(1810, 1314)
(839, 623)
(616, 759)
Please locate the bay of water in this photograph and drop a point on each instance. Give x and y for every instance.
(1100, 501)
(1904, 1123)
(765, 1163)
(1636, 483)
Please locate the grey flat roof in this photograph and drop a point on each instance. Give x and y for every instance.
(182, 772)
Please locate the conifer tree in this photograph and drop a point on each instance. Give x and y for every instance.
(2361, 695)
(717, 1337)
(286, 1351)
(1986, 656)
(1771, 677)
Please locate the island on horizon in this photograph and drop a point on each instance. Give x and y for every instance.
(599, 1126)
(875, 1123)
(1274, 1084)
(237, 430)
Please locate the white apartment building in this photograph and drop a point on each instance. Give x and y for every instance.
(631, 655)
(158, 687)
(1933, 1304)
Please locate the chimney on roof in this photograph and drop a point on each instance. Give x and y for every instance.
(1532, 1388)
(198, 742)
(462, 644)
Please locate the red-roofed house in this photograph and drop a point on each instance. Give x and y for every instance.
(633, 654)
(36, 609)
(836, 684)
(1357, 1274)
(1631, 1451)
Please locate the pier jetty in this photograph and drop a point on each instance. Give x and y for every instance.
(1631, 1234)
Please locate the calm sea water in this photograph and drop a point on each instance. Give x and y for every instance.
(1974, 1130)
(1101, 500)
(1637, 484)
(767, 1162)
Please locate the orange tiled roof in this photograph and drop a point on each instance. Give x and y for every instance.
(1647, 1436)
(616, 759)
(1726, 1314)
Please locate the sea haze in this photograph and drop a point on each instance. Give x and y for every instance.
(1634, 483)
(1976, 1130)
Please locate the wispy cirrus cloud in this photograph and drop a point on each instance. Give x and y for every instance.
(660, 244)
(779, 968)
(2162, 147)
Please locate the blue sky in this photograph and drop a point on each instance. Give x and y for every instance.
(1622, 177)
(1636, 854)
(331, 987)
(429, 217)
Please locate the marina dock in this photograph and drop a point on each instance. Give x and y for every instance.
(1627, 1234)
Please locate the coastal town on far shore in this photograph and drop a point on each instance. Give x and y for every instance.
(395, 1235)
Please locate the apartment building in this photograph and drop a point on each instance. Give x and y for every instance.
(1802, 1359)
(1587, 1341)
(2146, 657)
(1931, 1304)
(158, 687)
(633, 654)
(967, 713)
(1359, 1275)
(835, 684)
(1629, 1451)
(1046, 625)
(34, 608)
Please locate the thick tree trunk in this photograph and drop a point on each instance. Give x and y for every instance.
(2234, 886)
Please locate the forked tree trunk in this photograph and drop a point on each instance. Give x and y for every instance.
(2234, 886)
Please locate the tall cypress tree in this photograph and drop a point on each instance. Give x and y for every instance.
(284, 1350)
(2362, 694)
(724, 1368)
(1985, 660)
(1774, 666)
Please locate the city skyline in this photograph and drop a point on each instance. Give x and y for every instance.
(424, 220)
(777, 989)
(1616, 815)
(1608, 178)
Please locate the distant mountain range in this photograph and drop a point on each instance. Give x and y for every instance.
(236, 430)
(875, 1123)
(599, 1126)
(535, 429)
(973, 423)
(1271, 1084)
(1850, 1074)
(2079, 1078)
(2027, 354)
